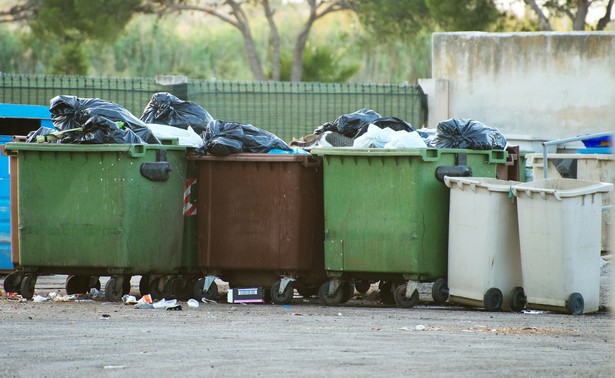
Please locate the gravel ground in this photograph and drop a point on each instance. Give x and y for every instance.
(361, 338)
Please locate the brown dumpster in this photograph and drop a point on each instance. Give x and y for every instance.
(261, 223)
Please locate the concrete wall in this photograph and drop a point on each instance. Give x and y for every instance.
(548, 85)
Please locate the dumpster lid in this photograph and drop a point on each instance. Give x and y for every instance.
(135, 150)
(562, 187)
(489, 183)
(256, 157)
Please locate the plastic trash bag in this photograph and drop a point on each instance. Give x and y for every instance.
(392, 123)
(185, 137)
(42, 131)
(404, 139)
(223, 138)
(375, 137)
(101, 130)
(468, 134)
(166, 109)
(350, 124)
(71, 112)
(428, 136)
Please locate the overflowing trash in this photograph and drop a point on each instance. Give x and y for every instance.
(224, 138)
(468, 134)
(166, 109)
(71, 112)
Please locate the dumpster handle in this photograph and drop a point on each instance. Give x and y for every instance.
(557, 142)
(137, 150)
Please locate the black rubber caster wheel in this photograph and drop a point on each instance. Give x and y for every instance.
(199, 294)
(330, 299)
(518, 299)
(183, 288)
(159, 288)
(144, 285)
(493, 299)
(362, 286)
(77, 284)
(439, 291)
(387, 295)
(400, 297)
(12, 282)
(114, 289)
(95, 282)
(27, 287)
(285, 297)
(348, 290)
(575, 304)
(126, 285)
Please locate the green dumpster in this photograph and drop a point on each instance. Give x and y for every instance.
(93, 210)
(386, 217)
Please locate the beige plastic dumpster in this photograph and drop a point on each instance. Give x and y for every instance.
(592, 167)
(484, 265)
(559, 235)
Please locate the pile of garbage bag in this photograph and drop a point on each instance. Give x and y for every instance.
(365, 128)
(166, 109)
(224, 138)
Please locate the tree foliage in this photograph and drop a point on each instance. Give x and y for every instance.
(405, 18)
(576, 11)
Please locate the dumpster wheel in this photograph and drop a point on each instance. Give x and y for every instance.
(362, 286)
(348, 290)
(116, 287)
(330, 299)
(77, 284)
(493, 299)
(199, 294)
(387, 289)
(439, 291)
(285, 297)
(12, 282)
(400, 297)
(575, 304)
(27, 286)
(518, 299)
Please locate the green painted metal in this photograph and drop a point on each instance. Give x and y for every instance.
(386, 213)
(88, 210)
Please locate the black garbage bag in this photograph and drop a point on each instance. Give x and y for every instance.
(393, 123)
(70, 112)
(223, 138)
(42, 131)
(101, 130)
(468, 134)
(350, 124)
(166, 109)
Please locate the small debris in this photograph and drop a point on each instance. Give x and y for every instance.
(105, 316)
(193, 303)
(114, 367)
(129, 299)
(339, 314)
(419, 327)
(40, 298)
(174, 308)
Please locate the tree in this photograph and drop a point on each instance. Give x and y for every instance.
(405, 18)
(575, 10)
(68, 23)
(234, 13)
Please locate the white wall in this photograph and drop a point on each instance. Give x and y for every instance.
(548, 85)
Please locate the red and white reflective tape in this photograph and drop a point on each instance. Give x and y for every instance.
(189, 204)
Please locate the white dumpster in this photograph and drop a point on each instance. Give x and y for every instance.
(484, 265)
(559, 234)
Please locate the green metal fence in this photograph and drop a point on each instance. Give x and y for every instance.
(285, 109)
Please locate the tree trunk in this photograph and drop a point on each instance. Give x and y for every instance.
(544, 21)
(275, 42)
(578, 23)
(604, 21)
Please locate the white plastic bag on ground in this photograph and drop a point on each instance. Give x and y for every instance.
(375, 137)
(404, 139)
(186, 137)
